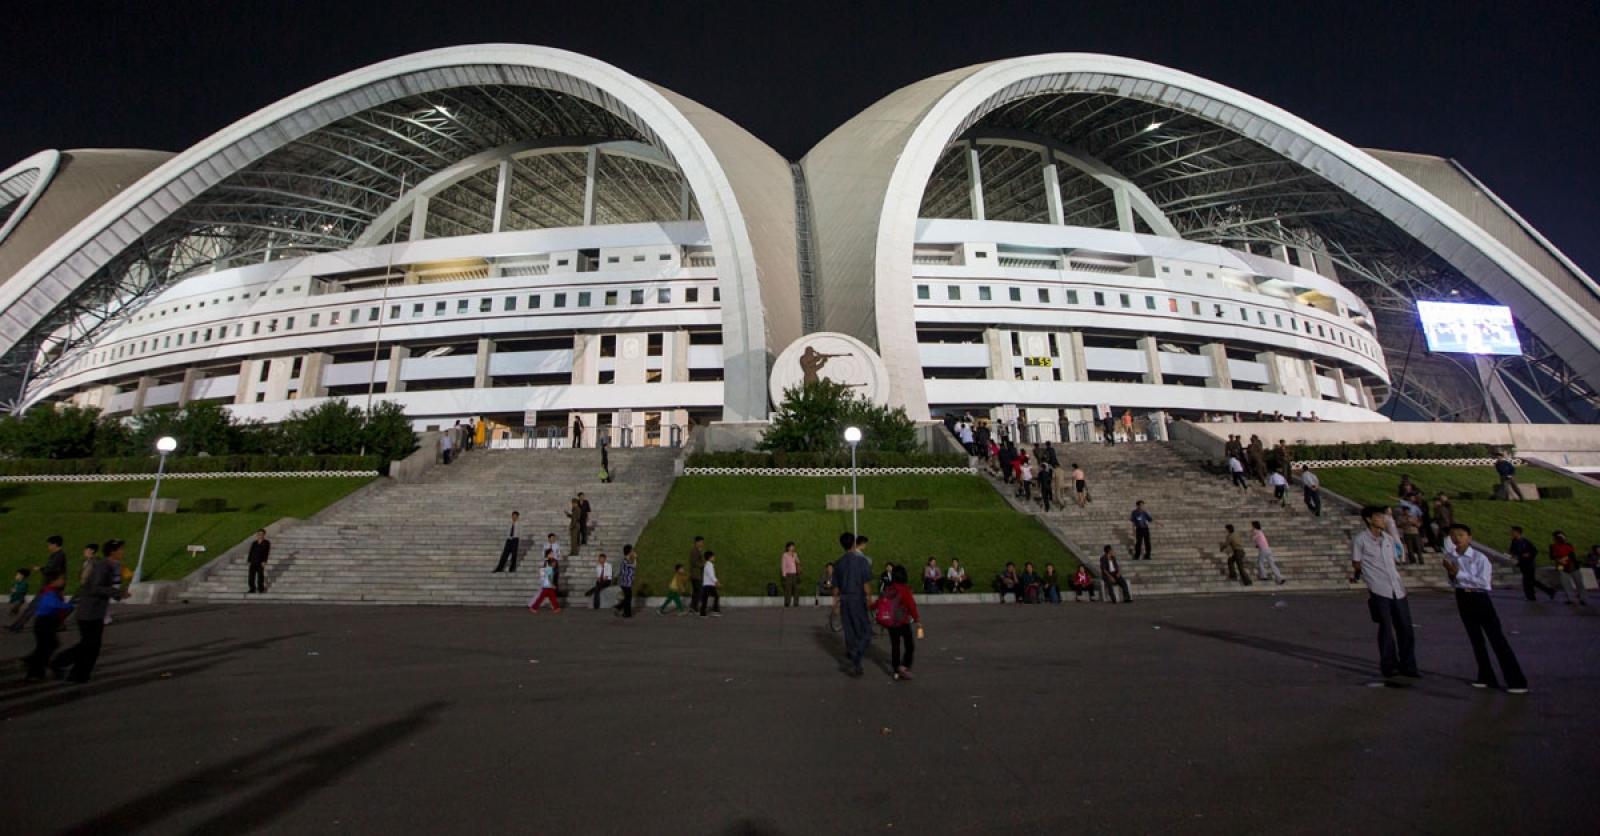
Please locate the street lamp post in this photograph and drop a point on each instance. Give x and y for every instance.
(164, 446)
(852, 436)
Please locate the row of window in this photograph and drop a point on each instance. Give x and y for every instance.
(217, 300)
(1125, 301)
(485, 304)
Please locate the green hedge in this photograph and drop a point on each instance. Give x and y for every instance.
(864, 458)
(193, 464)
(1390, 450)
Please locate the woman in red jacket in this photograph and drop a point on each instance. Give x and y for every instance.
(897, 612)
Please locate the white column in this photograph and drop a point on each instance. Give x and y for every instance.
(975, 181)
(1119, 195)
(480, 373)
(1274, 374)
(502, 195)
(1152, 359)
(191, 376)
(588, 185)
(1338, 382)
(397, 358)
(1080, 365)
(1052, 188)
(1221, 376)
(419, 218)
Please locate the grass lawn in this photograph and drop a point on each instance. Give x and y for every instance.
(30, 512)
(1579, 516)
(965, 519)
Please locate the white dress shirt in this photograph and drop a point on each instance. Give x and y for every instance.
(555, 550)
(1473, 569)
(1376, 557)
(515, 532)
(1310, 480)
(708, 575)
(602, 571)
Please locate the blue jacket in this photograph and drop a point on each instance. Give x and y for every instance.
(50, 602)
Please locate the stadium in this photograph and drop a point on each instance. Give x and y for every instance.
(533, 237)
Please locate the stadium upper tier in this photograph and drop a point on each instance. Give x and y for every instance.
(487, 230)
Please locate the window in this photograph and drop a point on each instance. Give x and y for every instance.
(716, 294)
(1244, 314)
(255, 328)
(1072, 297)
(608, 377)
(653, 344)
(652, 375)
(372, 314)
(416, 310)
(238, 330)
(1166, 269)
(1124, 299)
(1053, 350)
(208, 335)
(438, 308)
(953, 292)
(1099, 299)
(1188, 272)
(1172, 305)
(314, 319)
(461, 306)
(261, 397)
(561, 300)
(288, 324)
(1261, 318)
(533, 303)
(608, 345)
(984, 294)
(663, 295)
(1149, 303)
(636, 297)
(511, 303)
(691, 294)
(922, 291)
(180, 344)
(279, 291)
(981, 254)
(333, 318)
(294, 370)
(166, 342)
(1218, 311)
(664, 257)
(485, 305)
(638, 258)
(1016, 344)
(1015, 294)
(612, 259)
(562, 262)
(1044, 295)
(583, 299)
(272, 326)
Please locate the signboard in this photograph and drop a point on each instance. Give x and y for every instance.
(530, 418)
(1037, 361)
(1455, 328)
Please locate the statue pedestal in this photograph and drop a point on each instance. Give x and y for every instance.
(845, 502)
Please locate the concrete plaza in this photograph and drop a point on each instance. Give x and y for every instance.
(1221, 714)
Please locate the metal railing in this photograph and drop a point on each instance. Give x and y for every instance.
(1151, 427)
(672, 436)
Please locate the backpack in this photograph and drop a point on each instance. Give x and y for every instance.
(889, 611)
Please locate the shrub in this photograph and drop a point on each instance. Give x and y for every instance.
(1390, 450)
(210, 505)
(106, 506)
(195, 464)
(813, 417)
(911, 504)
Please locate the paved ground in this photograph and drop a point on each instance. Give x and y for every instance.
(1234, 716)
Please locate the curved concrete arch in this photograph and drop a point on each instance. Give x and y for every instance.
(867, 240)
(1126, 191)
(23, 183)
(732, 175)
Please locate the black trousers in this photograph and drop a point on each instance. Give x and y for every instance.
(1530, 580)
(509, 553)
(1236, 562)
(258, 577)
(696, 592)
(706, 594)
(1046, 495)
(1141, 540)
(626, 605)
(45, 642)
(85, 653)
(1481, 621)
(903, 633)
(1397, 642)
(1314, 501)
(594, 591)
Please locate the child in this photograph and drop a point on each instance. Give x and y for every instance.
(19, 590)
(1081, 583)
(675, 589)
(547, 585)
(708, 587)
(51, 610)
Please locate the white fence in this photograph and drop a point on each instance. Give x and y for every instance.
(828, 471)
(1393, 462)
(138, 477)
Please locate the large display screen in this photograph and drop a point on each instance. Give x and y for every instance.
(1451, 327)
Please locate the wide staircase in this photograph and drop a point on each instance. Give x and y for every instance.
(1190, 504)
(437, 540)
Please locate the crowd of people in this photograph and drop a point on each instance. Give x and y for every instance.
(100, 582)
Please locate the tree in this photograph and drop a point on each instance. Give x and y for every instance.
(813, 416)
(330, 427)
(50, 431)
(388, 432)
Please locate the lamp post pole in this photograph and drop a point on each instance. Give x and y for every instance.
(164, 446)
(853, 436)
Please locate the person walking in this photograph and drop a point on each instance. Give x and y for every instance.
(1280, 486)
(602, 579)
(1233, 548)
(547, 585)
(630, 568)
(605, 462)
(1236, 473)
(1256, 455)
(447, 443)
(48, 616)
(1111, 578)
(708, 586)
(1565, 557)
(55, 560)
(1508, 477)
(1046, 479)
(1080, 486)
(1311, 486)
(1141, 520)
(789, 569)
(19, 590)
(94, 600)
(260, 550)
(1264, 560)
(1472, 576)
(513, 543)
(585, 520)
(1372, 560)
(852, 596)
(696, 571)
(896, 610)
(675, 590)
(574, 525)
(1527, 554)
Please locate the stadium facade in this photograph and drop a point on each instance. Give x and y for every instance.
(489, 231)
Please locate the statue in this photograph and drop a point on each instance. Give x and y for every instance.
(812, 362)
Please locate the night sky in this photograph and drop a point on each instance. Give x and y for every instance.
(1509, 90)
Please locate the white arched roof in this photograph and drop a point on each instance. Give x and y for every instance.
(866, 181)
(744, 189)
(21, 185)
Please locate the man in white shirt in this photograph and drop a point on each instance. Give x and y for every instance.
(1472, 576)
(1372, 554)
(602, 579)
(1280, 486)
(708, 586)
(513, 543)
(553, 546)
(1313, 490)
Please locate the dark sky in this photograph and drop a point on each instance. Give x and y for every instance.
(1509, 90)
